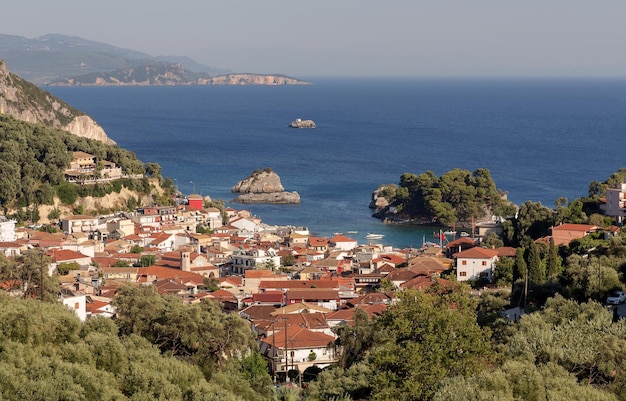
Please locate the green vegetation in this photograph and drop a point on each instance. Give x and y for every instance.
(47, 353)
(430, 346)
(33, 159)
(456, 196)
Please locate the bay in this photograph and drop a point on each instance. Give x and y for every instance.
(541, 139)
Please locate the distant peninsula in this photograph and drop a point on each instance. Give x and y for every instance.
(62, 60)
(172, 74)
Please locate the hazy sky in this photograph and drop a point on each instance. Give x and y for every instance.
(403, 38)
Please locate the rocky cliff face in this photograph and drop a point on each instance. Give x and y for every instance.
(263, 187)
(26, 102)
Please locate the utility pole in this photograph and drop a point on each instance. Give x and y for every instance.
(275, 352)
(286, 354)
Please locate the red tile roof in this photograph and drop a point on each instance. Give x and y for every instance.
(477, 253)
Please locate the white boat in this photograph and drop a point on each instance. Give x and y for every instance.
(464, 234)
(374, 236)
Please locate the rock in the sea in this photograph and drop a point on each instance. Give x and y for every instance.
(263, 186)
(298, 123)
(260, 181)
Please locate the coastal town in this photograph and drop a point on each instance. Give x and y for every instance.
(293, 288)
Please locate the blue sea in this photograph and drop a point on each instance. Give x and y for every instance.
(541, 139)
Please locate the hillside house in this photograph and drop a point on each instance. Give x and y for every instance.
(85, 169)
(563, 234)
(616, 202)
(475, 263)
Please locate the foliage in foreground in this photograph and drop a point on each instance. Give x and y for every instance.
(430, 348)
(47, 353)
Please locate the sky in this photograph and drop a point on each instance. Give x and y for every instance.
(351, 38)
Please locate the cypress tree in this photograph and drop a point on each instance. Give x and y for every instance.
(536, 269)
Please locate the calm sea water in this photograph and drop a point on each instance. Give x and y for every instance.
(541, 139)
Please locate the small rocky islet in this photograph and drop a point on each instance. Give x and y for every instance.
(263, 186)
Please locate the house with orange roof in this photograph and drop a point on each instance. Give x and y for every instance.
(301, 307)
(96, 307)
(326, 298)
(284, 285)
(429, 265)
(189, 261)
(61, 256)
(328, 264)
(253, 278)
(318, 244)
(297, 348)
(564, 233)
(422, 282)
(10, 249)
(164, 242)
(229, 301)
(345, 316)
(475, 263)
(269, 325)
(459, 245)
(269, 298)
(506, 252)
(257, 312)
(171, 286)
(151, 274)
(343, 243)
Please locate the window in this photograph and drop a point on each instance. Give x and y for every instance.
(484, 263)
(76, 305)
(463, 274)
(464, 262)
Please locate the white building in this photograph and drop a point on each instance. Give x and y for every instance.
(77, 303)
(7, 230)
(246, 260)
(475, 263)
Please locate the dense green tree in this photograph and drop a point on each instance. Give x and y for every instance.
(520, 268)
(536, 268)
(553, 262)
(533, 221)
(424, 337)
(200, 333)
(354, 342)
(582, 338)
(503, 272)
(520, 380)
(337, 384)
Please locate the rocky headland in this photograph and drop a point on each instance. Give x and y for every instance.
(26, 102)
(264, 186)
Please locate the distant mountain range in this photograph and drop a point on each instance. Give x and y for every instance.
(67, 60)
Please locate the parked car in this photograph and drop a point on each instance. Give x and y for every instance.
(616, 298)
